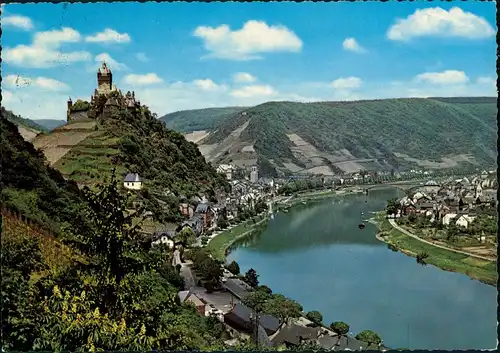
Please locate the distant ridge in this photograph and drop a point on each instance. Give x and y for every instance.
(348, 136)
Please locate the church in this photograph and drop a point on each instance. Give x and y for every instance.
(106, 92)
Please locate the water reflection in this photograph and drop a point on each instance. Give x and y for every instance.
(318, 256)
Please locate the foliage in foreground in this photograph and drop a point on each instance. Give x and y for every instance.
(124, 297)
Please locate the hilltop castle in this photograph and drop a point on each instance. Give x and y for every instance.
(106, 96)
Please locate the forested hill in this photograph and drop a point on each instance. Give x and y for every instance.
(27, 128)
(29, 186)
(327, 137)
(198, 119)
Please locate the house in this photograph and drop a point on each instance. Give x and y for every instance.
(465, 220)
(293, 335)
(186, 209)
(242, 318)
(195, 223)
(409, 209)
(344, 343)
(132, 181)
(227, 170)
(186, 296)
(164, 237)
(207, 214)
(237, 287)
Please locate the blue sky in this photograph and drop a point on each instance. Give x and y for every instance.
(193, 55)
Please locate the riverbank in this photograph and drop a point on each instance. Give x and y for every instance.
(219, 245)
(481, 270)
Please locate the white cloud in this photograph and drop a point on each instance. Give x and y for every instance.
(448, 77)
(142, 57)
(112, 63)
(347, 83)
(485, 80)
(208, 85)
(108, 36)
(40, 83)
(45, 50)
(351, 44)
(440, 23)
(142, 80)
(17, 21)
(35, 97)
(54, 38)
(244, 77)
(254, 38)
(254, 91)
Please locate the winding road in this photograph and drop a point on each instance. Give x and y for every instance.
(404, 231)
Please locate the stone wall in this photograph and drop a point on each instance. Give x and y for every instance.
(73, 116)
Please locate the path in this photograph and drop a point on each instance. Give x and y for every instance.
(185, 271)
(404, 231)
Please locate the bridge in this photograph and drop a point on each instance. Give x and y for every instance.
(407, 187)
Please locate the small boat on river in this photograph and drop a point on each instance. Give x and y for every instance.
(361, 226)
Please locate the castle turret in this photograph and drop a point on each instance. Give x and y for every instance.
(104, 79)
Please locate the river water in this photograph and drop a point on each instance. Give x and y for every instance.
(317, 255)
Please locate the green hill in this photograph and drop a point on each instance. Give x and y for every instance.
(27, 128)
(98, 285)
(198, 119)
(29, 186)
(87, 150)
(50, 124)
(330, 137)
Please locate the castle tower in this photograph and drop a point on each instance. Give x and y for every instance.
(68, 112)
(104, 79)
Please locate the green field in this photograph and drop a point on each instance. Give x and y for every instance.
(483, 271)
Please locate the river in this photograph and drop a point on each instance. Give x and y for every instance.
(317, 255)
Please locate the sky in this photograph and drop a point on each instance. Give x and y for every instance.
(179, 56)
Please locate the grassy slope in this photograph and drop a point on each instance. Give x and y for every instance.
(422, 128)
(198, 119)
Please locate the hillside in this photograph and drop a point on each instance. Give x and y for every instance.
(95, 286)
(87, 150)
(198, 119)
(29, 186)
(27, 128)
(331, 137)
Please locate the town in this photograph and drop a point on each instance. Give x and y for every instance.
(218, 289)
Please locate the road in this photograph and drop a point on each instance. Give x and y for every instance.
(396, 226)
(185, 271)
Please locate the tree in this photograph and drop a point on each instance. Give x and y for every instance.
(186, 236)
(234, 268)
(340, 328)
(211, 270)
(315, 316)
(392, 206)
(265, 289)
(251, 278)
(283, 308)
(107, 237)
(255, 300)
(369, 337)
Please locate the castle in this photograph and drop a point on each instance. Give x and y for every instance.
(107, 93)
